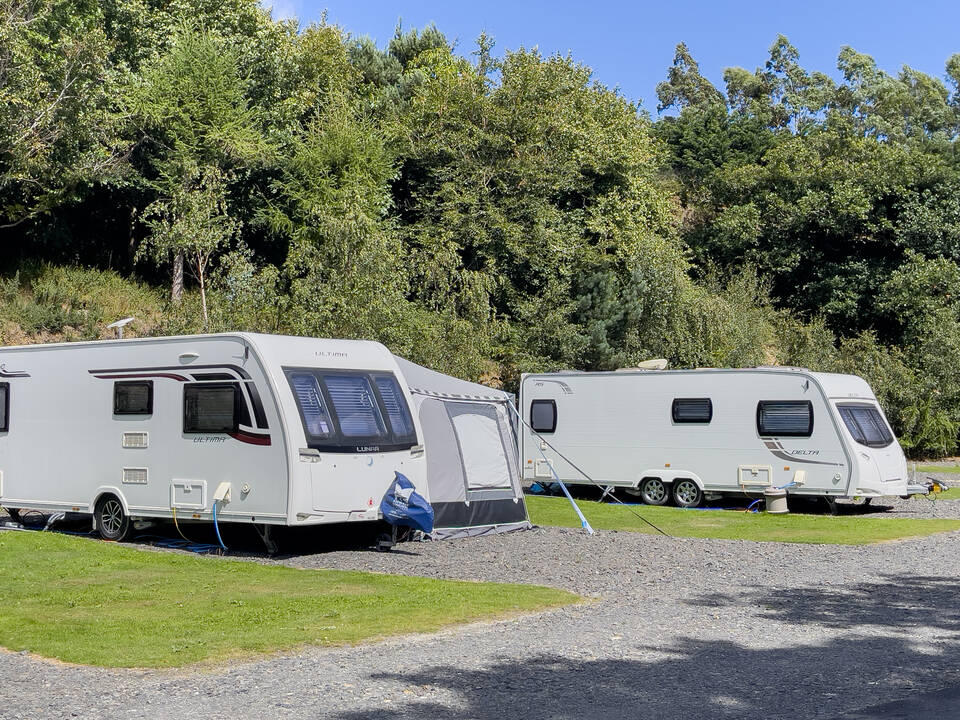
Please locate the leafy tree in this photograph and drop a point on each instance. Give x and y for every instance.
(685, 86)
(192, 224)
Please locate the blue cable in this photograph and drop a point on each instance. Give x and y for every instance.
(217, 527)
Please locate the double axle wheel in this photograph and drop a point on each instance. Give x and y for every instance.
(685, 492)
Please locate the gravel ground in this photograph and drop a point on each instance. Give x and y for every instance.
(671, 628)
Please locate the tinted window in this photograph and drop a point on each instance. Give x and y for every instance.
(543, 416)
(692, 410)
(4, 407)
(210, 408)
(356, 408)
(313, 409)
(352, 411)
(395, 405)
(785, 418)
(866, 424)
(133, 398)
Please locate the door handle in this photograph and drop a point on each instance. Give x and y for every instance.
(309, 455)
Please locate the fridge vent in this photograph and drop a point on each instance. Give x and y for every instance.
(135, 439)
(134, 476)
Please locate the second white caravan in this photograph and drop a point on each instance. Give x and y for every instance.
(682, 435)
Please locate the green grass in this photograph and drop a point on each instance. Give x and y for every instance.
(736, 525)
(952, 493)
(90, 602)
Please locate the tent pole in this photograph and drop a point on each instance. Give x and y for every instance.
(583, 521)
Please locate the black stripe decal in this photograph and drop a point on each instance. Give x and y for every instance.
(243, 374)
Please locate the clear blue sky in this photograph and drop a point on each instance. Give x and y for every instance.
(630, 45)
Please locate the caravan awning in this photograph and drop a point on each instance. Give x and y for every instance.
(423, 381)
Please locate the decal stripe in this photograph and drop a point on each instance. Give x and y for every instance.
(244, 375)
(779, 451)
(250, 438)
(172, 376)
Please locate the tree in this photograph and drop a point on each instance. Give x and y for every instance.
(192, 224)
(685, 86)
(57, 122)
(196, 129)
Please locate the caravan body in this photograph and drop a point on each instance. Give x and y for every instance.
(686, 433)
(262, 429)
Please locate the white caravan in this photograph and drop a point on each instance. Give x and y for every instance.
(262, 429)
(684, 434)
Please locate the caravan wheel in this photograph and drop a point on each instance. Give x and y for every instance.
(112, 522)
(686, 493)
(653, 491)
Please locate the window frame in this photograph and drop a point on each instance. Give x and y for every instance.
(206, 385)
(129, 383)
(687, 421)
(807, 433)
(337, 442)
(5, 426)
(544, 401)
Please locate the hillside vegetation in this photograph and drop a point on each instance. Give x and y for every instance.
(203, 167)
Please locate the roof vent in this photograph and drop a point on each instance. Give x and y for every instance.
(658, 364)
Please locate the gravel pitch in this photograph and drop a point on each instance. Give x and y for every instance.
(670, 628)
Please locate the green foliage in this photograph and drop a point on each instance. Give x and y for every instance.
(485, 214)
(44, 302)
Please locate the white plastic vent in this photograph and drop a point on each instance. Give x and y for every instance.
(134, 476)
(135, 439)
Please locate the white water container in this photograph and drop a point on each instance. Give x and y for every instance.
(776, 500)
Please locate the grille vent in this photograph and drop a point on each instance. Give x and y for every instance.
(134, 476)
(135, 439)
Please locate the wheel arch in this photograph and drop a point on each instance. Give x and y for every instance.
(109, 490)
(668, 476)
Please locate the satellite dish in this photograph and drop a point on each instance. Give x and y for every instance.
(119, 325)
(658, 364)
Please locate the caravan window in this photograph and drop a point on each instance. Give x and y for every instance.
(396, 406)
(4, 407)
(356, 408)
(543, 416)
(865, 424)
(210, 407)
(133, 398)
(692, 410)
(352, 410)
(313, 409)
(785, 418)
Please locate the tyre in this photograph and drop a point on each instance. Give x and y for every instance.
(653, 491)
(112, 522)
(686, 493)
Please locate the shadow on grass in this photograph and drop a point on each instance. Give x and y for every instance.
(871, 657)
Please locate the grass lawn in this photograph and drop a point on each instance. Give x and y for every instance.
(91, 602)
(951, 469)
(952, 493)
(735, 525)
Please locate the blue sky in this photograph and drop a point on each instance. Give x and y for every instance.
(631, 45)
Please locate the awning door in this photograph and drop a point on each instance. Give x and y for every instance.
(480, 435)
